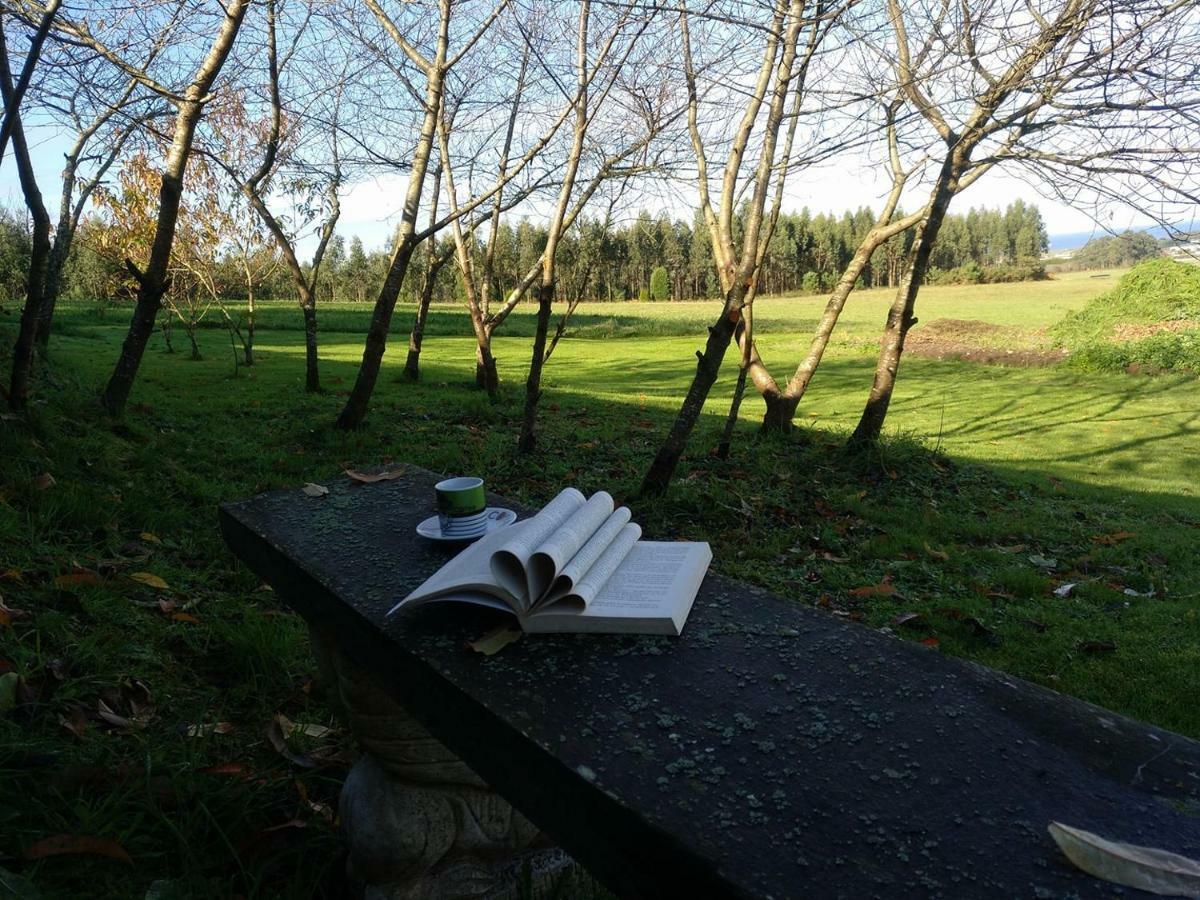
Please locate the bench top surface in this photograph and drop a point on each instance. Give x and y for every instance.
(772, 750)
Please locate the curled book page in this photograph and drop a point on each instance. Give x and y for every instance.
(581, 563)
(509, 562)
(610, 560)
(565, 542)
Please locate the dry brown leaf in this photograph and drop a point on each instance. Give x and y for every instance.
(374, 477)
(315, 490)
(1115, 538)
(235, 769)
(44, 481)
(885, 588)
(150, 537)
(204, 730)
(277, 733)
(150, 580)
(8, 615)
(184, 617)
(12, 575)
(1145, 868)
(75, 845)
(78, 578)
(496, 640)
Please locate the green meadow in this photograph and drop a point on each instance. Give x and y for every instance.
(1036, 518)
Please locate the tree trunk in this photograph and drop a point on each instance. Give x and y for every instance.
(486, 377)
(54, 269)
(412, 365)
(658, 476)
(355, 410)
(22, 367)
(312, 374)
(248, 343)
(900, 316)
(153, 281)
(533, 384)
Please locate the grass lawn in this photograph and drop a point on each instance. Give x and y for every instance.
(148, 666)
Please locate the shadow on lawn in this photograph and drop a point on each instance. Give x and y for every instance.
(975, 550)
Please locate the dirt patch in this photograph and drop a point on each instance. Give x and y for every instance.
(983, 342)
(1129, 331)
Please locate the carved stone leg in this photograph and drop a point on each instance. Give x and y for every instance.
(419, 823)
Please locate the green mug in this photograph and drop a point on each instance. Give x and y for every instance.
(461, 504)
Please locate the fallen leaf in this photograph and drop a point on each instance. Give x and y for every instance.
(76, 721)
(184, 617)
(105, 712)
(496, 640)
(1130, 592)
(204, 730)
(44, 481)
(8, 615)
(78, 578)
(1064, 590)
(77, 845)
(315, 490)
(1144, 868)
(833, 558)
(1013, 548)
(937, 554)
(1115, 538)
(909, 620)
(150, 580)
(12, 575)
(1043, 562)
(1096, 646)
(277, 733)
(167, 606)
(237, 769)
(372, 478)
(150, 537)
(930, 641)
(885, 588)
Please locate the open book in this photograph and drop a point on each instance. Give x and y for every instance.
(577, 566)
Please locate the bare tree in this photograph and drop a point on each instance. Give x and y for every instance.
(1028, 72)
(319, 180)
(36, 282)
(434, 68)
(152, 277)
(12, 102)
(736, 266)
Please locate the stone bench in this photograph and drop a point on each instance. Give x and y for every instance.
(772, 751)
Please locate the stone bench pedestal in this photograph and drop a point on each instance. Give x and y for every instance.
(418, 822)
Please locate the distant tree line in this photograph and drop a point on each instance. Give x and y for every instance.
(648, 258)
(1114, 251)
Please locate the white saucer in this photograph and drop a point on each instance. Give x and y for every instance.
(497, 517)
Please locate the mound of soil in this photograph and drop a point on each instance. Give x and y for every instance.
(982, 342)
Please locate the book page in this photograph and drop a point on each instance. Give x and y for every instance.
(509, 560)
(468, 573)
(608, 563)
(581, 563)
(651, 592)
(565, 542)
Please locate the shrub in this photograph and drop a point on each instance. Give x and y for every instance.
(660, 284)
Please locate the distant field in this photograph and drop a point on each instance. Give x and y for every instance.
(1097, 429)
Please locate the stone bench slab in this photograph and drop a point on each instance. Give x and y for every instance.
(772, 751)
